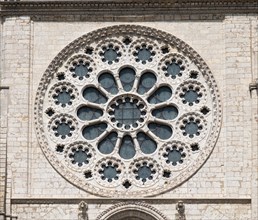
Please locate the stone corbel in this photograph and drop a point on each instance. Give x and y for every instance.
(180, 207)
(82, 211)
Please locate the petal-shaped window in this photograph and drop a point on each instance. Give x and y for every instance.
(93, 131)
(147, 145)
(162, 94)
(147, 81)
(127, 149)
(88, 113)
(166, 113)
(107, 145)
(92, 94)
(127, 77)
(107, 81)
(160, 130)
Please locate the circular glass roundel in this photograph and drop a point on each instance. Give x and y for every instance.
(135, 114)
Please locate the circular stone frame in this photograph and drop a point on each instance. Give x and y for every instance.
(124, 97)
(55, 70)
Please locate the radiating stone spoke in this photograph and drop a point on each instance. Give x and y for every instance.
(135, 84)
(94, 105)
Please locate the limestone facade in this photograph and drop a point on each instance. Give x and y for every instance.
(223, 33)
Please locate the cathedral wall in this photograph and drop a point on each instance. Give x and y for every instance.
(50, 38)
(227, 47)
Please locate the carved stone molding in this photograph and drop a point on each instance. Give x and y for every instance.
(132, 209)
(154, 200)
(129, 10)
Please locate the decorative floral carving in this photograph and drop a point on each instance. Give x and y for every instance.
(144, 171)
(63, 95)
(79, 155)
(175, 155)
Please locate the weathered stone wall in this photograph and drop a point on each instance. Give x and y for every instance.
(230, 49)
(193, 211)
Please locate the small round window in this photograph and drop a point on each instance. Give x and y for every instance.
(134, 114)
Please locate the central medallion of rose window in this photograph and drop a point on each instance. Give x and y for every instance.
(133, 114)
(127, 112)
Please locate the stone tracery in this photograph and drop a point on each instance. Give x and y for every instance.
(111, 95)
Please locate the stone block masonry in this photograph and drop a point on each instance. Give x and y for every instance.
(226, 185)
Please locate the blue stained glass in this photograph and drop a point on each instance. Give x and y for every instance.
(110, 54)
(161, 131)
(107, 81)
(127, 150)
(80, 157)
(110, 173)
(173, 69)
(147, 81)
(162, 94)
(147, 145)
(144, 173)
(81, 70)
(88, 113)
(144, 54)
(93, 131)
(64, 97)
(191, 96)
(174, 156)
(107, 145)
(191, 128)
(93, 95)
(127, 77)
(63, 129)
(166, 113)
(127, 113)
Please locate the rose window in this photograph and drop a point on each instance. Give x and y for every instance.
(133, 115)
